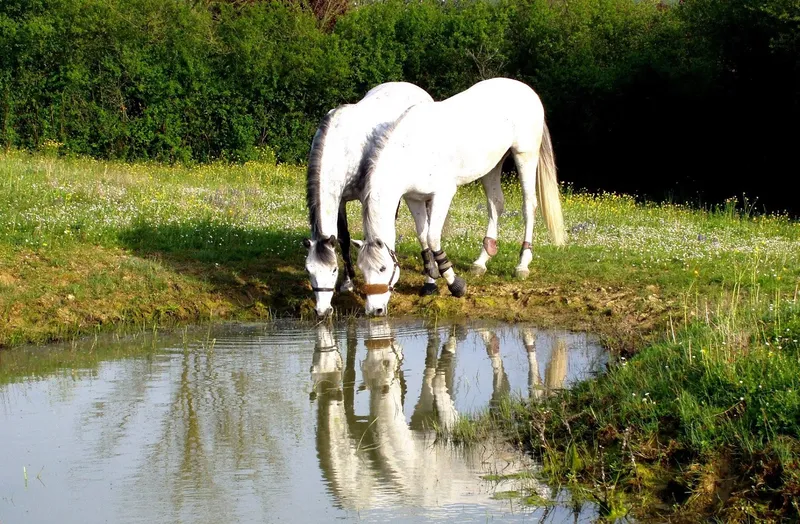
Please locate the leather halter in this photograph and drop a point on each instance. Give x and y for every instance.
(322, 289)
(380, 289)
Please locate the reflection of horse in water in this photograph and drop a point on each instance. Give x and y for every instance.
(554, 376)
(555, 373)
(436, 406)
(380, 459)
(346, 472)
(326, 366)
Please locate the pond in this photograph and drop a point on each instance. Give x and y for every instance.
(284, 421)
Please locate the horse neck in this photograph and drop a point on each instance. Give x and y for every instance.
(338, 168)
(332, 182)
(380, 206)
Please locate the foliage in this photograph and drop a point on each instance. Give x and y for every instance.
(159, 80)
(692, 84)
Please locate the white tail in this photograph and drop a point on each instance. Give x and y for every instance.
(549, 197)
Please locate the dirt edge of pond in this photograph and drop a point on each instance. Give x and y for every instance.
(113, 289)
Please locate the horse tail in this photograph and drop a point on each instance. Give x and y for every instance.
(549, 197)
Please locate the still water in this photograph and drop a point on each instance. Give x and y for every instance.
(284, 421)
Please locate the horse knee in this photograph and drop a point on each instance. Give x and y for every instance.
(501, 206)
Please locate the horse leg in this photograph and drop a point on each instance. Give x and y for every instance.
(419, 211)
(344, 243)
(440, 204)
(526, 166)
(495, 202)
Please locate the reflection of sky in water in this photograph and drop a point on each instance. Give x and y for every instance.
(229, 434)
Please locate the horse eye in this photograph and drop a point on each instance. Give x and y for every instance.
(383, 268)
(335, 270)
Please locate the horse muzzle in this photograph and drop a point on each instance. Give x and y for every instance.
(325, 313)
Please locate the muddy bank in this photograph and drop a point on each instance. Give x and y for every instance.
(107, 289)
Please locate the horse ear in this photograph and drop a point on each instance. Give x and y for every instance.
(332, 240)
(307, 243)
(379, 243)
(357, 243)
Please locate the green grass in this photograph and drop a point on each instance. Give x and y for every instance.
(86, 243)
(701, 411)
(708, 419)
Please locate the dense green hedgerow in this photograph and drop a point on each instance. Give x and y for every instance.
(640, 96)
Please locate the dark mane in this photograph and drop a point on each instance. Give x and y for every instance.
(376, 142)
(325, 252)
(313, 174)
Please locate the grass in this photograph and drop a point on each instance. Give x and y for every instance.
(85, 243)
(701, 412)
(707, 421)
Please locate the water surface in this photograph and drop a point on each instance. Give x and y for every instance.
(284, 421)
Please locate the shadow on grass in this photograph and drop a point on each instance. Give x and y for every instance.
(262, 272)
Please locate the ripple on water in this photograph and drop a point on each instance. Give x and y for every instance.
(278, 421)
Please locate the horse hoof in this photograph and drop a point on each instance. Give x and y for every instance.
(346, 287)
(478, 270)
(458, 288)
(522, 274)
(428, 289)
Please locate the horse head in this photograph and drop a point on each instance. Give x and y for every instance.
(378, 263)
(323, 269)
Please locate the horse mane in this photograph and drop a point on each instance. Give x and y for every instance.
(313, 174)
(376, 142)
(372, 254)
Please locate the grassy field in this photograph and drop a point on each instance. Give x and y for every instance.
(701, 410)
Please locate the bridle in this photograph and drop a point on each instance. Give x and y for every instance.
(322, 289)
(380, 289)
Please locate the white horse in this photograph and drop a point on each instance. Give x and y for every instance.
(429, 152)
(335, 177)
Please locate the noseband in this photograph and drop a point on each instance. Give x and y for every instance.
(380, 289)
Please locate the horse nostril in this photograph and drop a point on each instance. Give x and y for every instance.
(379, 311)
